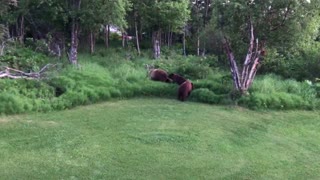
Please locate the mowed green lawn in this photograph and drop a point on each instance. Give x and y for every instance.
(160, 139)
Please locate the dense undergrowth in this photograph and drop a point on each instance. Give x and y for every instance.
(110, 74)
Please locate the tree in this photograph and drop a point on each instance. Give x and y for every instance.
(3, 28)
(158, 16)
(75, 28)
(257, 23)
(243, 81)
(114, 13)
(200, 16)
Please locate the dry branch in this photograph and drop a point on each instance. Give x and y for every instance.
(12, 73)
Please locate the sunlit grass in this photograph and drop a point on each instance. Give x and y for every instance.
(160, 139)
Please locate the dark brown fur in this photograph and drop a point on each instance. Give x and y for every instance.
(185, 90)
(159, 75)
(177, 78)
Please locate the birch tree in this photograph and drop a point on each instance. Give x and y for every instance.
(248, 27)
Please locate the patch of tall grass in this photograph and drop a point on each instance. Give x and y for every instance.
(273, 92)
(101, 78)
(191, 67)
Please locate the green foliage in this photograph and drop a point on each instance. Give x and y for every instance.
(275, 100)
(218, 86)
(317, 87)
(207, 96)
(297, 63)
(108, 75)
(19, 96)
(190, 67)
(23, 58)
(300, 25)
(3, 35)
(272, 92)
(157, 15)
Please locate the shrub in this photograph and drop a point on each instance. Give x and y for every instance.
(93, 82)
(274, 92)
(275, 100)
(191, 67)
(12, 104)
(207, 96)
(317, 88)
(217, 86)
(298, 63)
(159, 89)
(23, 58)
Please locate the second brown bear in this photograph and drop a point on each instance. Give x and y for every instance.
(185, 90)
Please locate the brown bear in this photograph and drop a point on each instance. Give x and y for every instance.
(185, 90)
(157, 74)
(177, 78)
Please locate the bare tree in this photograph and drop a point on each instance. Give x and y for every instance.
(242, 81)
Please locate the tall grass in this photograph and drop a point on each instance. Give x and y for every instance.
(271, 91)
(108, 74)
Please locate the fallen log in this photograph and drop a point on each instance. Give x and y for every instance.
(7, 72)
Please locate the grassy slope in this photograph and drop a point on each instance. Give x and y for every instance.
(160, 139)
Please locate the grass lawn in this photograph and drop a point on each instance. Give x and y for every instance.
(160, 139)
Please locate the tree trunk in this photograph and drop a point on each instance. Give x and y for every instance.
(123, 39)
(243, 81)
(92, 42)
(168, 38)
(156, 44)
(184, 43)
(106, 35)
(20, 28)
(165, 38)
(204, 49)
(2, 46)
(73, 56)
(198, 46)
(5, 30)
(137, 35)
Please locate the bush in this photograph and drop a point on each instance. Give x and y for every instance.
(13, 104)
(98, 81)
(276, 100)
(297, 63)
(23, 58)
(206, 96)
(191, 67)
(217, 86)
(317, 88)
(272, 83)
(273, 92)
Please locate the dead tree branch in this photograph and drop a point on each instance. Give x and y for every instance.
(7, 72)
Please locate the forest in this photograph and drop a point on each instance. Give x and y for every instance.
(58, 54)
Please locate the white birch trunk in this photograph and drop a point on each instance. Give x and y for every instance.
(243, 81)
